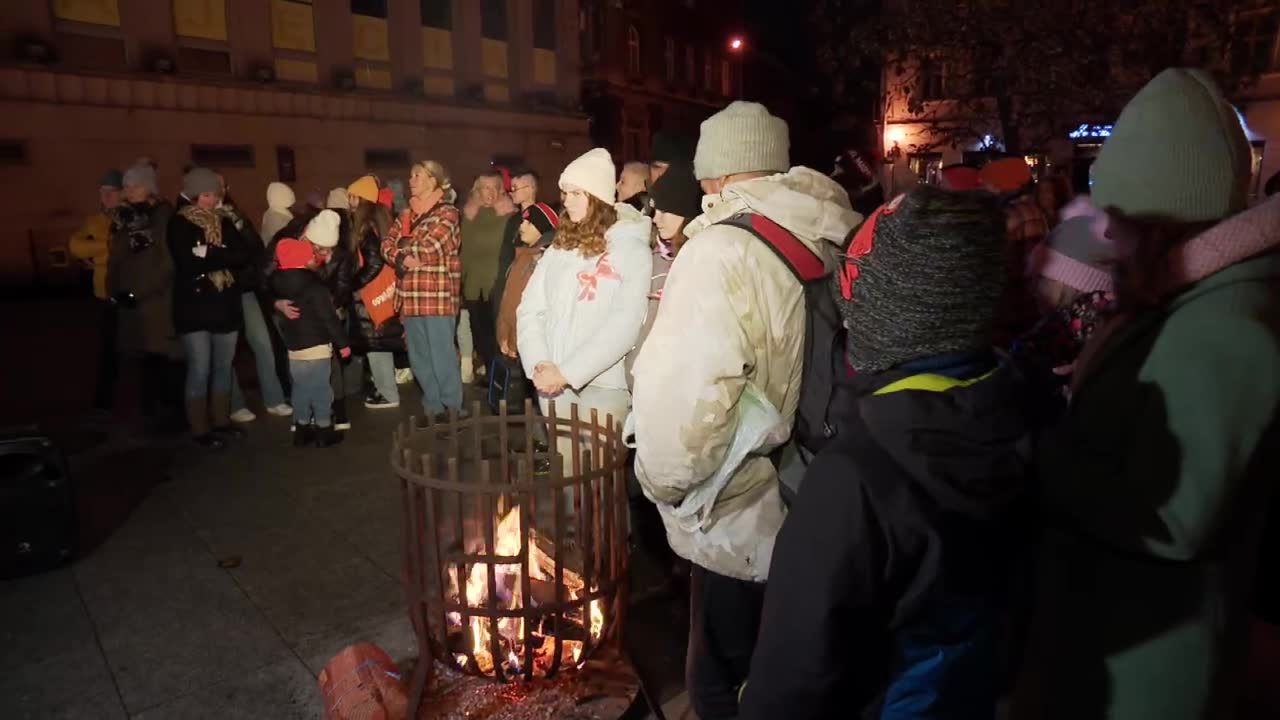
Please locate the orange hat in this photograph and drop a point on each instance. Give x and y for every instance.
(1006, 175)
(366, 188)
(292, 254)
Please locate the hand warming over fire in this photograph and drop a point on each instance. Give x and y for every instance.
(548, 380)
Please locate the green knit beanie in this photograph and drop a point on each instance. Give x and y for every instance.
(1177, 153)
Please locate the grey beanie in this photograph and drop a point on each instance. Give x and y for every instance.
(1075, 256)
(929, 282)
(742, 138)
(200, 180)
(142, 175)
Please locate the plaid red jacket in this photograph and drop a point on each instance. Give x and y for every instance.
(434, 288)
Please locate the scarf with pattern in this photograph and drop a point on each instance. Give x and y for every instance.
(210, 222)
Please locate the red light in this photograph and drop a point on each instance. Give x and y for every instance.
(735, 44)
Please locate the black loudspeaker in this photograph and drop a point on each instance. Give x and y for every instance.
(37, 505)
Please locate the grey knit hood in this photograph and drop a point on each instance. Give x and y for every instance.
(928, 284)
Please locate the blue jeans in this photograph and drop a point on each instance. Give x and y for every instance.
(264, 358)
(382, 367)
(209, 357)
(312, 394)
(434, 359)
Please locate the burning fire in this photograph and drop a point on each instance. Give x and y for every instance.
(510, 596)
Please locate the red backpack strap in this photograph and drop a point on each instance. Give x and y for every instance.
(804, 263)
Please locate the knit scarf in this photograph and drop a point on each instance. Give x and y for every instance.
(207, 220)
(135, 220)
(210, 222)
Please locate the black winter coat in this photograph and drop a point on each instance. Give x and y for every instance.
(318, 323)
(337, 274)
(892, 571)
(365, 338)
(198, 305)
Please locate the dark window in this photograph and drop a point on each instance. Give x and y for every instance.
(13, 152)
(544, 24)
(387, 158)
(90, 51)
(437, 13)
(195, 60)
(371, 8)
(1253, 46)
(220, 156)
(933, 80)
(493, 19)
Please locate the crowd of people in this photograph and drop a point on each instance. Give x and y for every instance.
(1039, 470)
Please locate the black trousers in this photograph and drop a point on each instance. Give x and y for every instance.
(108, 362)
(724, 618)
(484, 330)
(161, 386)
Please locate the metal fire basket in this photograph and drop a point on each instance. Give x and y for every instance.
(457, 479)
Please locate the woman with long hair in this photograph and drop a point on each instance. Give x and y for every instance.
(370, 222)
(423, 245)
(582, 309)
(1157, 482)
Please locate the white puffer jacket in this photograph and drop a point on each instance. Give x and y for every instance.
(584, 313)
(732, 314)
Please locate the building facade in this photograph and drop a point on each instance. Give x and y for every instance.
(935, 112)
(310, 92)
(654, 65)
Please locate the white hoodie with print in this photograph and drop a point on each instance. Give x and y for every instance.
(584, 313)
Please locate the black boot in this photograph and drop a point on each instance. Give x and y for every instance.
(304, 435)
(327, 437)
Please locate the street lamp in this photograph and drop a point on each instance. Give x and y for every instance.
(738, 46)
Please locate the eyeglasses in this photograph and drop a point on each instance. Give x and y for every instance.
(518, 188)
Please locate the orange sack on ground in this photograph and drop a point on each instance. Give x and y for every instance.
(361, 682)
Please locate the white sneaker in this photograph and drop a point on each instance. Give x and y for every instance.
(244, 415)
(404, 376)
(281, 410)
(343, 425)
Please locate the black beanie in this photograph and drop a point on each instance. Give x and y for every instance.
(668, 148)
(677, 192)
(930, 281)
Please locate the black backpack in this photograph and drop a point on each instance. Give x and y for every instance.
(824, 370)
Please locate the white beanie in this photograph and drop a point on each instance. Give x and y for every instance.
(742, 138)
(593, 172)
(322, 231)
(338, 199)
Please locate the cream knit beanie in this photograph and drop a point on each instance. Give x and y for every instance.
(322, 231)
(593, 172)
(742, 138)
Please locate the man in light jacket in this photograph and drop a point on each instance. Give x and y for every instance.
(732, 316)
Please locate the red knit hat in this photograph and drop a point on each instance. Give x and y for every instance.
(293, 254)
(1006, 175)
(960, 178)
(386, 197)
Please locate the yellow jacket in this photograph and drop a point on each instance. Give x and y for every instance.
(89, 243)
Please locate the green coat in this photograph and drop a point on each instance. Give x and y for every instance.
(481, 245)
(1154, 492)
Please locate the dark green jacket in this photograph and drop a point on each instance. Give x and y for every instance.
(1154, 496)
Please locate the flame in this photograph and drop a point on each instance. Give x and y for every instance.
(509, 595)
(597, 619)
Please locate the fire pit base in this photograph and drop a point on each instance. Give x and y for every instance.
(603, 689)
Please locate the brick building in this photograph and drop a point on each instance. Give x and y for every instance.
(313, 92)
(651, 65)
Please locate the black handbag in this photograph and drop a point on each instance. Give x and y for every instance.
(38, 523)
(507, 382)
